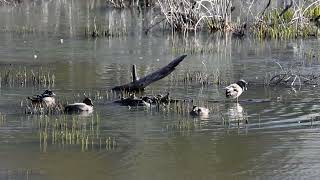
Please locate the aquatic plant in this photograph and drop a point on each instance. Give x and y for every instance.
(295, 20)
(9, 2)
(130, 3)
(184, 16)
(102, 31)
(19, 29)
(197, 78)
(72, 130)
(98, 30)
(29, 108)
(2, 119)
(292, 21)
(183, 125)
(18, 76)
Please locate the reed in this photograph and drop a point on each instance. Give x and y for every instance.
(18, 76)
(120, 4)
(184, 15)
(293, 21)
(204, 79)
(183, 125)
(20, 30)
(296, 20)
(65, 130)
(110, 30)
(2, 119)
(9, 2)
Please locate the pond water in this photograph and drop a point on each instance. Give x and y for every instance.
(278, 141)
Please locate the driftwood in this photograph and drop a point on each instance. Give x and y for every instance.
(294, 77)
(140, 84)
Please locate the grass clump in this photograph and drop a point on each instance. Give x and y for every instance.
(65, 130)
(13, 76)
(293, 21)
(98, 30)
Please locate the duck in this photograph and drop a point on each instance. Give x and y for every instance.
(86, 105)
(234, 90)
(46, 98)
(199, 111)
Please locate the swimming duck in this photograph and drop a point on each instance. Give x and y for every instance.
(46, 98)
(86, 105)
(235, 90)
(199, 111)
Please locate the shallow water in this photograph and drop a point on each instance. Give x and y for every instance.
(278, 141)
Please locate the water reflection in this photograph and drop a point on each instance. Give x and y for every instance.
(149, 143)
(236, 112)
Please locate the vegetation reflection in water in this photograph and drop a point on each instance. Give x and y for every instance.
(60, 131)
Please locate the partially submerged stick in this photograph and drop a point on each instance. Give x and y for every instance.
(140, 84)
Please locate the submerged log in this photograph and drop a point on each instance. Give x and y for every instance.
(140, 84)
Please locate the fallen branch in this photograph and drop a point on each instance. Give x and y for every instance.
(293, 77)
(286, 8)
(140, 84)
(153, 25)
(262, 13)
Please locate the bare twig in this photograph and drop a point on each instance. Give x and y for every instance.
(262, 13)
(286, 8)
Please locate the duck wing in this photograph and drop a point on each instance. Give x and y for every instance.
(36, 98)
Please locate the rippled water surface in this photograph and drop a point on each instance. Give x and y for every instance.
(272, 133)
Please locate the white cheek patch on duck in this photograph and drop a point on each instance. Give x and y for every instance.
(49, 101)
(234, 91)
(199, 111)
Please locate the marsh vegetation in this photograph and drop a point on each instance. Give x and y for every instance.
(85, 48)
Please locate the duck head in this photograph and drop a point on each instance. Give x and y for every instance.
(88, 101)
(147, 99)
(243, 84)
(48, 93)
(196, 109)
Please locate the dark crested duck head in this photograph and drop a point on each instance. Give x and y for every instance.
(193, 107)
(243, 84)
(88, 101)
(48, 93)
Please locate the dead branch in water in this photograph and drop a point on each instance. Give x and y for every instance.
(140, 84)
(292, 77)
